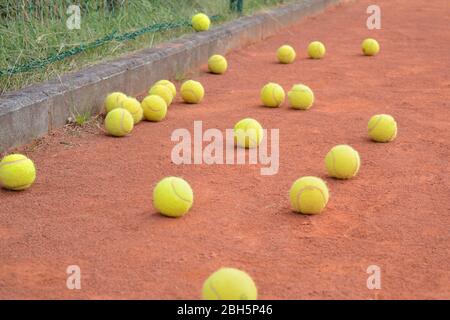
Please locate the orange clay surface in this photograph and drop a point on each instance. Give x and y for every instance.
(92, 202)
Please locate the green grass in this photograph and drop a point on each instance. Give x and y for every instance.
(36, 29)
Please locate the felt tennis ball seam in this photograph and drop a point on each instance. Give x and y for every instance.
(154, 109)
(252, 140)
(174, 189)
(213, 290)
(274, 97)
(375, 125)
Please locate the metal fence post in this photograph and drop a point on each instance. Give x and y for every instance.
(237, 5)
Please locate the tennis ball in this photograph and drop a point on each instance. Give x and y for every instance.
(286, 54)
(382, 128)
(309, 195)
(316, 50)
(119, 122)
(192, 91)
(113, 100)
(133, 107)
(173, 197)
(301, 97)
(370, 47)
(229, 284)
(272, 95)
(162, 91)
(248, 133)
(169, 85)
(154, 107)
(17, 172)
(201, 22)
(342, 162)
(217, 64)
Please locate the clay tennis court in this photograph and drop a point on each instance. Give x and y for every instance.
(91, 204)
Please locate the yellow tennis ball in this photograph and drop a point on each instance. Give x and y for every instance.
(217, 64)
(154, 107)
(272, 95)
(229, 284)
(309, 195)
(192, 91)
(134, 108)
(162, 91)
(342, 162)
(316, 50)
(173, 197)
(248, 133)
(370, 47)
(113, 100)
(301, 97)
(286, 54)
(201, 22)
(169, 85)
(382, 128)
(17, 172)
(119, 122)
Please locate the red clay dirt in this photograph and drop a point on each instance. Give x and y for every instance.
(92, 202)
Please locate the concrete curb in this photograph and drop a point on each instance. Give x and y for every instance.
(35, 111)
